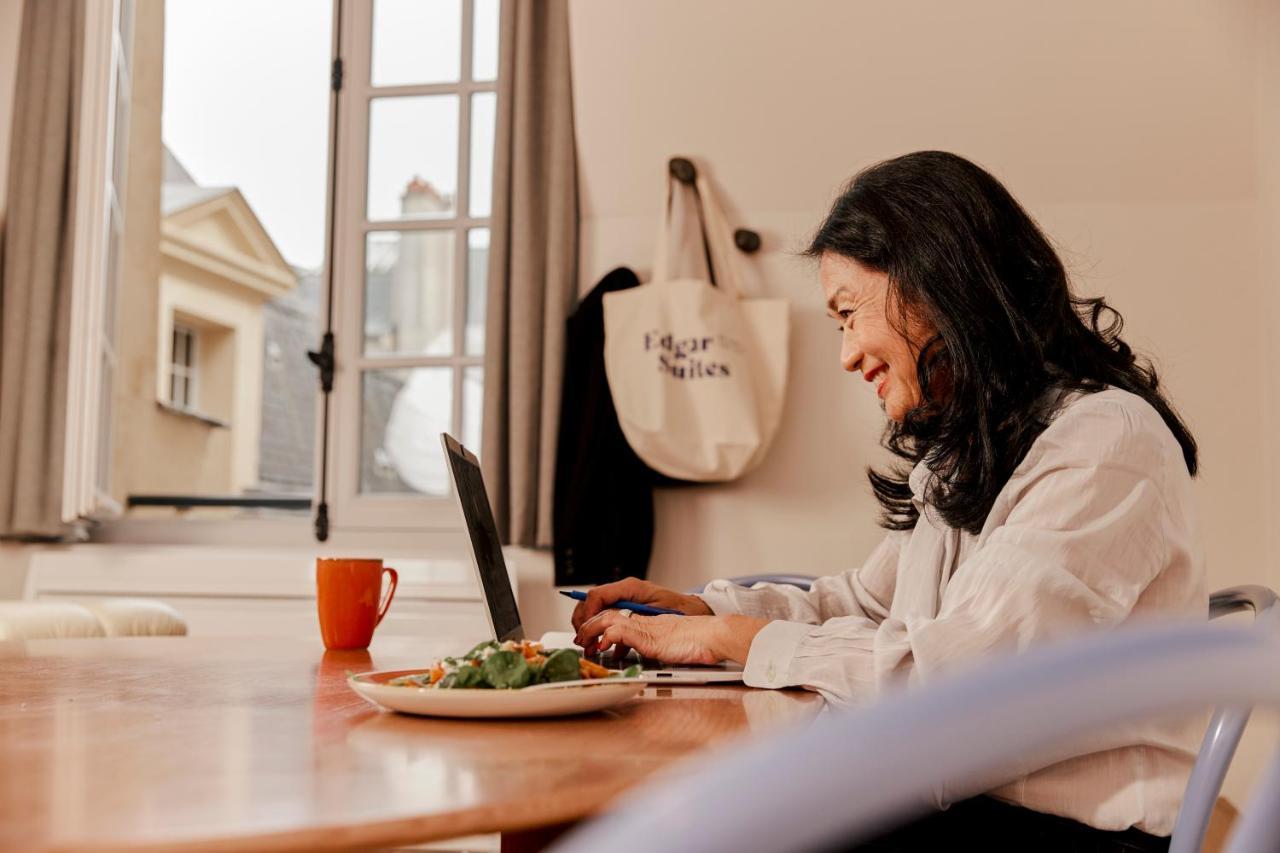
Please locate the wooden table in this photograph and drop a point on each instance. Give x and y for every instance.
(155, 742)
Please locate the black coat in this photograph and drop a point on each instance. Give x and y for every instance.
(602, 514)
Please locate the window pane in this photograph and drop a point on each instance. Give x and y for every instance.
(416, 42)
(115, 237)
(483, 113)
(484, 41)
(120, 136)
(477, 283)
(413, 157)
(472, 406)
(103, 473)
(126, 31)
(242, 147)
(408, 293)
(403, 412)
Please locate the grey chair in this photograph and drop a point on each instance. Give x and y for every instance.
(851, 775)
(1224, 732)
(802, 581)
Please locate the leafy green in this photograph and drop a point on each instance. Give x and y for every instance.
(506, 670)
(467, 676)
(561, 665)
(479, 649)
(632, 671)
(537, 672)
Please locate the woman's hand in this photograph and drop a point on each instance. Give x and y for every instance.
(642, 592)
(671, 639)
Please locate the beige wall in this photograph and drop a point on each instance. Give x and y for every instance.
(10, 28)
(1131, 131)
(1263, 731)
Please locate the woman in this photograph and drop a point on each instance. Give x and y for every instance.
(1045, 489)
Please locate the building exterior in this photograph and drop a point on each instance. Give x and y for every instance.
(218, 270)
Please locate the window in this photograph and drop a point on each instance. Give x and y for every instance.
(248, 183)
(182, 369)
(103, 158)
(415, 175)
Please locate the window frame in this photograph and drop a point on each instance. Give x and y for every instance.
(87, 457)
(349, 508)
(356, 520)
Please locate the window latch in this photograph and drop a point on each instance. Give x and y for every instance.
(325, 361)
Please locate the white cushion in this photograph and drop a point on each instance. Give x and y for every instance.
(137, 617)
(106, 617)
(47, 620)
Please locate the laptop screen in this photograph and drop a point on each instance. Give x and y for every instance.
(485, 545)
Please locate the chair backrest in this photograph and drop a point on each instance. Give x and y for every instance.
(849, 775)
(1223, 735)
(802, 581)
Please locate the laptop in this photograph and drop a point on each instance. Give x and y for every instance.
(495, 583)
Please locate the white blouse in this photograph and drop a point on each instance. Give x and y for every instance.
(1096, 528)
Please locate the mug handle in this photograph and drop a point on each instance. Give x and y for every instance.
(391, 592)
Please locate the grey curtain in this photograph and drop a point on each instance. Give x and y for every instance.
(35, 269)
(533, 267)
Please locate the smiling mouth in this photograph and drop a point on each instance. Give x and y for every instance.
(880, 377)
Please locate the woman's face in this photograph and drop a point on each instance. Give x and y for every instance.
(857, 298)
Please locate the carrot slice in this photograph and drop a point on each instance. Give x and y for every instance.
(589, 669)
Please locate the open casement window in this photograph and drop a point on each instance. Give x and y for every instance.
(102, 159)
(410, 246)
(199, 288)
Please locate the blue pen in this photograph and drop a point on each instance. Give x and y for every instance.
(633, 606)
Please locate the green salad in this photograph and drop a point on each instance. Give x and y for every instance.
(510, 665)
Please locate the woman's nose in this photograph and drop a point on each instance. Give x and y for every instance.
(850, 353)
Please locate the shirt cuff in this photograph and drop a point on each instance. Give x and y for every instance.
(772, 651)
(716, 596)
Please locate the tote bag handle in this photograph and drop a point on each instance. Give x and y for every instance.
(717, 242)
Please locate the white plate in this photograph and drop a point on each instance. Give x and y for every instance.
(543, 700)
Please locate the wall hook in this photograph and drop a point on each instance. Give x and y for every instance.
(683, 170)
(746, 240)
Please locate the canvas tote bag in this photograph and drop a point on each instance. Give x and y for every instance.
(697, 371)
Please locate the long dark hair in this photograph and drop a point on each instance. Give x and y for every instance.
(963, 256)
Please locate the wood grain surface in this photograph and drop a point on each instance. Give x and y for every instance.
(180, 742)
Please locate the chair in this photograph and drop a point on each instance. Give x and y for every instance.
(802, 581)
(851, 775)
(1223, 735)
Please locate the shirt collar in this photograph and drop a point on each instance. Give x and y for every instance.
(919, 481)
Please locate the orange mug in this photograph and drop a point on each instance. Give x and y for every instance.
(347, 597)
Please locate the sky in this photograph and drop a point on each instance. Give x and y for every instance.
(246, 103)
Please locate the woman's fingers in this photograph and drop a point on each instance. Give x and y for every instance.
(674, 639)
(589, 632)
(602, 596)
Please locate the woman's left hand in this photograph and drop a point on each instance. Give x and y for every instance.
(671, 639)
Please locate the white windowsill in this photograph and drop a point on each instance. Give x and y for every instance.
(181, 571)
(207, 420)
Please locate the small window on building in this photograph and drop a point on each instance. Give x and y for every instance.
(182, 368)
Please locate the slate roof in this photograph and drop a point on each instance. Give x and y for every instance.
(290, 384)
